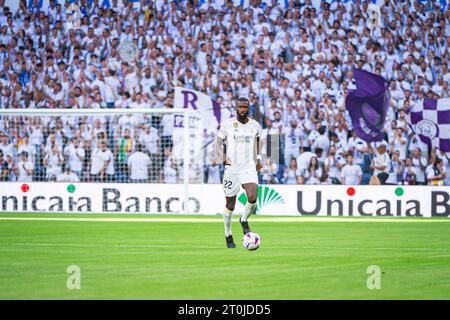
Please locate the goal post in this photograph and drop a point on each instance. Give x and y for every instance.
(151, 146)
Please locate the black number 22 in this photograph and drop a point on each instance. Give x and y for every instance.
(227, 184)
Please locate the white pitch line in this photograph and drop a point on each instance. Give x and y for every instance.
(137, 246)
(83, 245)
(218, 220)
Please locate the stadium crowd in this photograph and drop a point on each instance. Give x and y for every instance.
(293, 60)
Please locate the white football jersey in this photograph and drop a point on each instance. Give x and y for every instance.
(240, 143)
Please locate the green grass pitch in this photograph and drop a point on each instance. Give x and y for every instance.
(153, 259)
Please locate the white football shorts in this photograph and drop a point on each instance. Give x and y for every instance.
(232, 181)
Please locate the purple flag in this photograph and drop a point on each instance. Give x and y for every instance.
(368, 105)
(430, 119)
(211, 112)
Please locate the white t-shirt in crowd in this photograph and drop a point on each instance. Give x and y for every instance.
(420, 173)
(167, 123)
(381, 160)
(351, 174)
(98, 161)
(170, 175)
(333, 171)
(393, 167)
(111, 88)
(54, 164)
(150, 140)
(292, 139)
(22, 167)
(36, 136)
(402, 148)
(312, 177)
(30, 149)
(323, 142)
(139, 163)
(7, 149)
(290, 176)
(67, 177)
(74, 155)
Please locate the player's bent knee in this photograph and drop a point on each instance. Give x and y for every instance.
(230, 205)
(230, 208)
(252, 199)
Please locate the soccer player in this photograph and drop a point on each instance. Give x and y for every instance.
(237, 136)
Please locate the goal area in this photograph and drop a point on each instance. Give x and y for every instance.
(157, 146)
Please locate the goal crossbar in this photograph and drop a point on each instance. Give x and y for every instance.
(88, 112)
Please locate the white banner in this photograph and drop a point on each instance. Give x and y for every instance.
(338, 200)
(102, 197)
(400, 201)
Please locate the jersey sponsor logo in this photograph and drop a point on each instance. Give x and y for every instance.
(266, 196)
(242, 138)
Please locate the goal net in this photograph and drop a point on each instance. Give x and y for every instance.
(102, 145)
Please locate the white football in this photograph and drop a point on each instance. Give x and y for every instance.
(251, 241)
